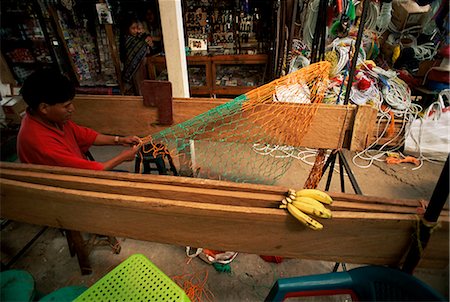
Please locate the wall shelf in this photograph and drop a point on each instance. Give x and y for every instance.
(216, 75)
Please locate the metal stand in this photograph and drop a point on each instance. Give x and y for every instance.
(429, 220)
(23, 249)
(343, 164)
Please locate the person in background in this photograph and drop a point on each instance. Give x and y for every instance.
(47, 136)
(135, 44)
(152, 26)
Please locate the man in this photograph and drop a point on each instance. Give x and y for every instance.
(47, 136)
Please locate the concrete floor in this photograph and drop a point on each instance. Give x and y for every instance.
(251, 278)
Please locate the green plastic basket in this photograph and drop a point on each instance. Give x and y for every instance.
(135, 279)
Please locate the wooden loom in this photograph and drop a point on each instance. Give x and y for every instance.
(187, 211)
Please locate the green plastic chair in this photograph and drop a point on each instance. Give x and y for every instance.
(368, 283)
(16, 285)
(65, 294)
(135, 279)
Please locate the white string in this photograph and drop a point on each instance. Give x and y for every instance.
(372, 16)
(425, 51)
(384, 18)
(310, 24)
(306, 155)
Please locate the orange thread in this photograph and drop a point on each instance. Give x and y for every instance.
(195, 286)
(407, 159)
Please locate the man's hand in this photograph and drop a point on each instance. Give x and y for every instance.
(129, 154)
(125, 155)
(129, 141)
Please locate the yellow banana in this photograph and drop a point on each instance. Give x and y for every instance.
(310, 201)
(315, 194)
(316, 210)
(302, 217)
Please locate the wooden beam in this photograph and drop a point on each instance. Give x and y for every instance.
(188, 211)
(46, 174)
(365, 118)
(127, 115)
(114, 54)
(148, 178)
(213, 194)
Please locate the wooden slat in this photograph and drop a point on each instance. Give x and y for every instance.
(128, 116)
(187, 182)
(218, 195)
(147, 178)
(362, 127)
(352, 237)
(162, 191)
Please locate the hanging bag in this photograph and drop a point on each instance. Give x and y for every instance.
(429, 137)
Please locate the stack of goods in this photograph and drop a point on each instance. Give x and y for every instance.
(400, 42)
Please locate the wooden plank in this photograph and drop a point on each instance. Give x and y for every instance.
(362, 127)
(198, 183)
(394, 140)
(349, 237)
(329, 135)
(114, 54)
(147, 178)
(218, 195)
(126, 115)
(162, 191)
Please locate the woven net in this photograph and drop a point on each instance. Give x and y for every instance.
(220, 143)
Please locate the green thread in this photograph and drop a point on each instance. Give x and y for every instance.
(222, 268)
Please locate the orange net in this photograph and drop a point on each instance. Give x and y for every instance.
(219, 144)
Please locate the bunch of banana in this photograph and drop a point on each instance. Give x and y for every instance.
(309, 201)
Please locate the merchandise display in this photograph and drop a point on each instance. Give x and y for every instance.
(219, 74)
(24, 39)
(197, 76)
(396, 39)
(89, 54)
(228, 28)
(244, 75)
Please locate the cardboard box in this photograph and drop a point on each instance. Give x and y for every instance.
(407, 13)
(14, 108)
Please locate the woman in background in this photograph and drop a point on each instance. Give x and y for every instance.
(134, 47)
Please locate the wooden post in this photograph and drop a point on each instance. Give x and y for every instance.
(362, 129)
(114, 53)
(59, 29)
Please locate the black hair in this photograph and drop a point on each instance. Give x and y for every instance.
(47, 86)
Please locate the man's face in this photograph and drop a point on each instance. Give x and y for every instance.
(59, 113)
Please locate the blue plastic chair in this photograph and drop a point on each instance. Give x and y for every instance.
(369, 283)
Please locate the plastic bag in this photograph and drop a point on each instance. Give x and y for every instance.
(211, 256)
(429, 137)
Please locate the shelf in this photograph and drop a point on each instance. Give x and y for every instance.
(235, 75)
(25, 43)
(203, 72)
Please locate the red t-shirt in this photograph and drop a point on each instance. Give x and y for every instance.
(38, 143)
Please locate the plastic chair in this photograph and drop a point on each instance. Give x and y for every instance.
(135, 279)
(369, 283)
(16, 285)
(151, 163)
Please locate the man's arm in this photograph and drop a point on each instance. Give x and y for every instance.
(104, 140)
(126, 155)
